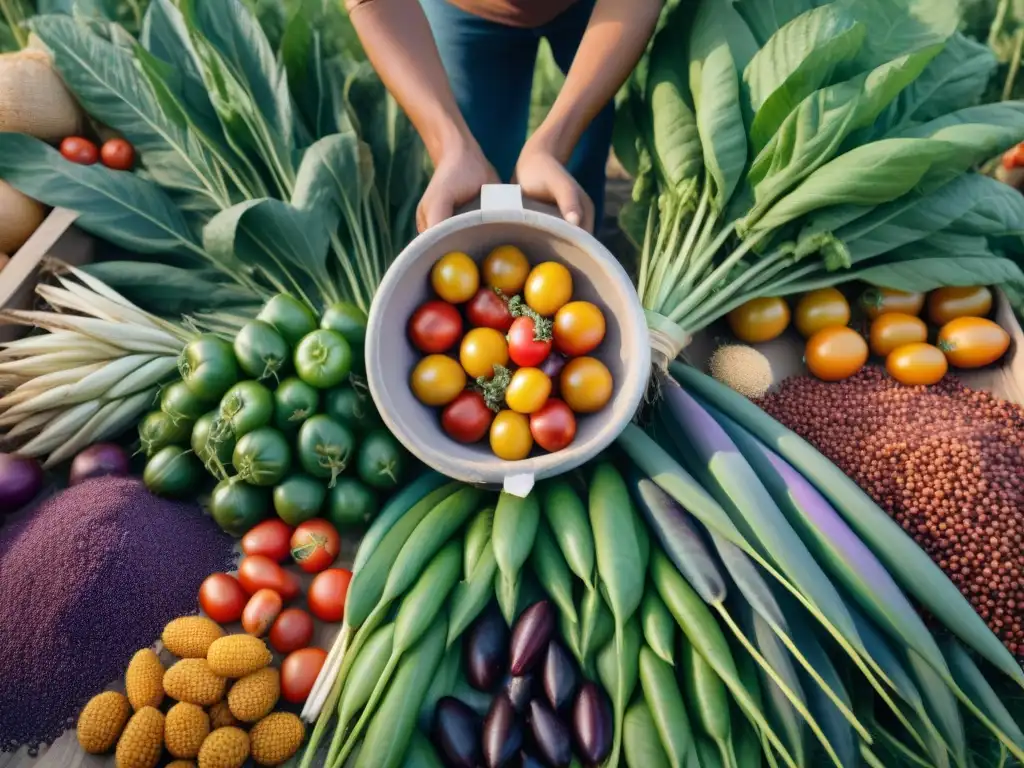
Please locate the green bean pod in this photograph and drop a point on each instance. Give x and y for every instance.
(512, 535)
(667, 708)
(659, 628)
(640, 741)
(552, 571)
(470, 597)
(478, 538)
(421, 753)
(706, 692)
(567, 517)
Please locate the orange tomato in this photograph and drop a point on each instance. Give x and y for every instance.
(506, 268)
(528, 390)
(881, 301)
(834, 354)
(945, 304)
(261, 612)
(824, 308)
(481, 350)
(585, 384)
(759, 320)
(455, 277)
(894, 330)
(510, 437)
(437, 380)
(579, 328)
(548, 288)
(916, 364)
(972, 342)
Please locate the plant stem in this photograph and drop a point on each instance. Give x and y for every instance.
(720, 273)
(1011, 76)
(686, 255)
(346, 267)
(645, 257)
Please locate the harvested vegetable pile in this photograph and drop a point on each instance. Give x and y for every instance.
(86, 580)
(946, 462)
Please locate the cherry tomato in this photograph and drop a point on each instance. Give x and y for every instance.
(579, 328)
(528, 390)
(510, 436)
(972, 342)
(270, 538)
(894, 329)
(118, 155)
(824, 308)
(257, 572)
(586, 384)
(327, 594)
(261, 611)
(467, 418)
(79, 150)
(833, 354)
(222, 598)
(435, 327)
(759, 320)
(524, 347)
(481, 350)
(315, 545)
(916, 364)
(437, 380)
(554, 426)
(292, 630)
(548, 288)
(455, 277)
(506, 268)
(488, 310)
(945, 304)
(299, 672)
(882, 301)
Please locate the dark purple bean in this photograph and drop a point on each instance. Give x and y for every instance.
(456, 733)
(502, 735)
(559, 676)
(553, 365)
(519, 691)
(550, 736)
(592, 724)
(486, 651)
(530, 637)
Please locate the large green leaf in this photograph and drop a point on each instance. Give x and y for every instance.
(305, 57)
(120, 207)
(766, 17)
(898, 27)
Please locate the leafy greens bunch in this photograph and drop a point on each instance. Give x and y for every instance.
(784, 145)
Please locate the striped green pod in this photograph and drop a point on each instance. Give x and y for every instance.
(471, 596)
(478, 538)
(366, 671)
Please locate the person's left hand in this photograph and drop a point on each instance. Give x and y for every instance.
(542, 177)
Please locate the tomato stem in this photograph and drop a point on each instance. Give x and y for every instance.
(493, 388)
(542, 326)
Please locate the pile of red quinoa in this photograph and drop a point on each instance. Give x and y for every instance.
(88, 578)
(946, 462)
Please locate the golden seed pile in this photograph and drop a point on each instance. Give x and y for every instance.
(742, 368)
(946, 462)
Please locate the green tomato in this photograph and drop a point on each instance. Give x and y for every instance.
(351, 504)
(246, 406)
(289, 316)
(298, 498)
(237, 506)
(208, 367)
(352, 408)
(261, 350)
(294, 402)
(325, 447)
(172, 471)
(181, 404)
(262, 457)
(158, 430)
(213, 443)
(323, 359)
(381, 460)
(350, 321)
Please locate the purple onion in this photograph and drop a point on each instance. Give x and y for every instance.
(21, 480)
(98, 460)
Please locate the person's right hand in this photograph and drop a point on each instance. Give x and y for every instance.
(457, 179)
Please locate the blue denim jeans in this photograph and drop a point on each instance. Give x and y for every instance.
(491, 66)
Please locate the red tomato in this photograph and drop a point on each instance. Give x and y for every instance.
(327, 594)
(315, 545)
(488, 310)
(261, 611)
(467, 418)
(79, 150)
(271, 538)
(554, 426)
(435, 327)
(292, 630)
(523, 347)
(118, 155)
(299, 671)
(222, 598)
(258, 572)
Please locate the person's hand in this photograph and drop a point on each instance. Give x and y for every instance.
(542, 177)
(457, 179)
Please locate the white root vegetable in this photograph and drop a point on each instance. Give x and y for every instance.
(34, 100)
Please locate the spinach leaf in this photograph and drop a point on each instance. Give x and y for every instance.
(304, 53)
(766, 17)
(898, 27)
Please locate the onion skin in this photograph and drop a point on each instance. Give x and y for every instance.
(98, 460)
(21, 480)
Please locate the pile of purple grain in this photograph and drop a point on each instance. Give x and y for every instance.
(89, 577)
(945, 461)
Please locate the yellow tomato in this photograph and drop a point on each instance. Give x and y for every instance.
(894, 329)
(945, 304)
(548, 288)
(834, 354)
(759, 320)
(437, 380)
(455, 277)
(585, 384)
(481, 350)
(506, 268)
(817, 310)
(972, 342)
(916, 364)
(528, 390)
(510, 436)
(881, 301)
(579, 328)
